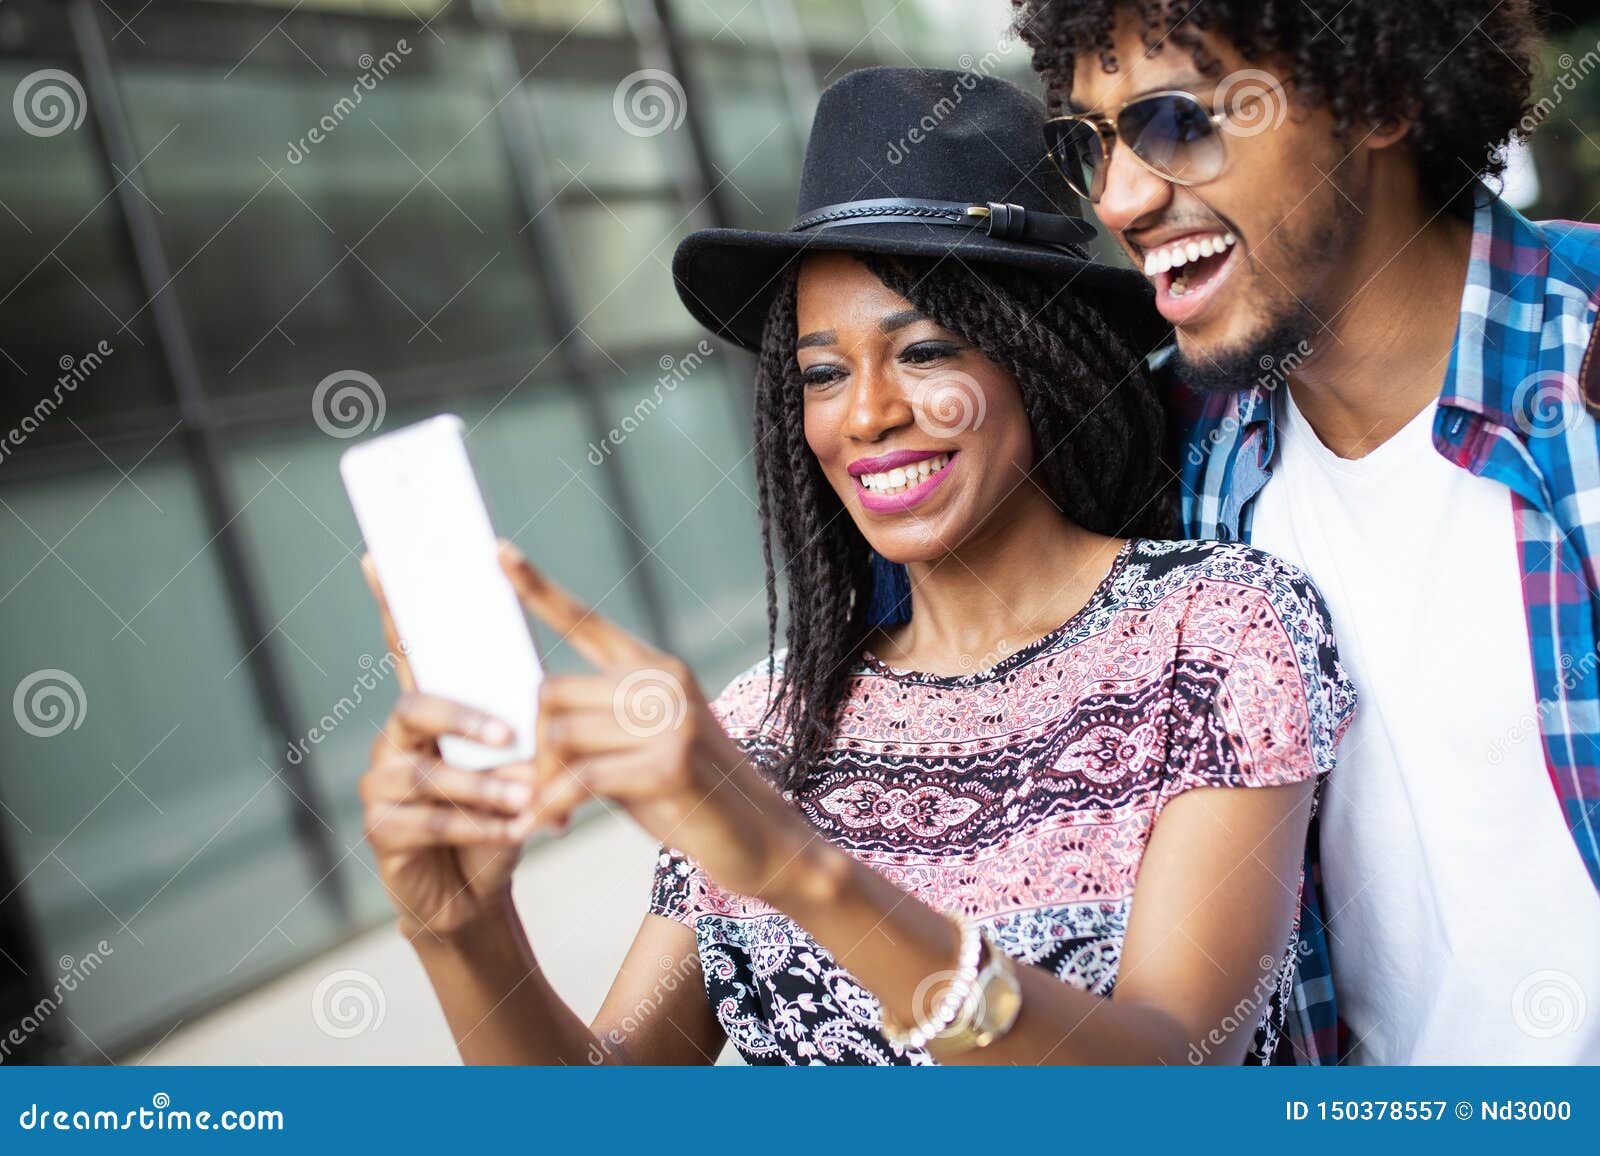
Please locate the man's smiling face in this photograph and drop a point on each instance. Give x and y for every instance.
(1248, 263)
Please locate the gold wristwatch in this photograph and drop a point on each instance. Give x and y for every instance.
(991, 1007)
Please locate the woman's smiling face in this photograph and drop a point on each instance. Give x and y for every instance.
(920, 435)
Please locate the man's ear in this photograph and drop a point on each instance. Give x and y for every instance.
(1388, 131)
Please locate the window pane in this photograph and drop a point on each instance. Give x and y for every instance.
(67, 286)
(622, 257)
(586, 149)
(754, 139)
(836, 24)
(735, 23)
(152, 820)
(686, 444)
(363, 218)
(583, 17)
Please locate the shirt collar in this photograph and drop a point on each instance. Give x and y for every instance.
(1502, 314)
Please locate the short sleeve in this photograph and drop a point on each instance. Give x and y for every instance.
(670, 891)
(1260, 698)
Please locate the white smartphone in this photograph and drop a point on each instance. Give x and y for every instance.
(464, 631)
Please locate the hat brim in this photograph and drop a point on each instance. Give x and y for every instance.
(727, 278)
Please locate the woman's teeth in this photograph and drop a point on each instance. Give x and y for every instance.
(1185, 253)
(904, 477)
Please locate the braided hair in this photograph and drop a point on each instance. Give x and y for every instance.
(1099, 430)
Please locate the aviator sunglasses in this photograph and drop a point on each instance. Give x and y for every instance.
(1173, 134)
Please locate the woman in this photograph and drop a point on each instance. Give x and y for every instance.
(1054, 814)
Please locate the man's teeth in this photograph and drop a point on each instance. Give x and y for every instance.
(904, 477)
(1180, 253)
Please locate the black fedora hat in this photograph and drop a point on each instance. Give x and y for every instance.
(921, 162)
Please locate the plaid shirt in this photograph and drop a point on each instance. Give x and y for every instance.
(1518, 406)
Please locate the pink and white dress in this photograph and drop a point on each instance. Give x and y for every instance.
(1023, 796)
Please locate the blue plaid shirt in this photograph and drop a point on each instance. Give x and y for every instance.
(1518, 405)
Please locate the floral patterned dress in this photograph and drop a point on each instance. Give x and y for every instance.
(1023, 796)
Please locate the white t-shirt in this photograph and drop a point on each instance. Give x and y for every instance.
(1464, 927)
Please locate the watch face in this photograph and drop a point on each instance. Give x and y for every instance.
(1002, 1000)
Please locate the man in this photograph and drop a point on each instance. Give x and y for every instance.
(1319, 214)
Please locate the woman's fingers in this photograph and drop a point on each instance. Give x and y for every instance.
(412, 777)
(419, 719)
(621, 775)
(568, 734)
(562, 692)
(416, 826)
(391, 635)
(599, 640)
(575, 733)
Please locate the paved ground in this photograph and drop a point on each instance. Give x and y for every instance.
(369, 1002)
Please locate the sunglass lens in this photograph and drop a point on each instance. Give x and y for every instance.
(1079, 153)
(1174, 135)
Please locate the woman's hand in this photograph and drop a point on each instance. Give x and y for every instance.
(446, 839)
(641, 733)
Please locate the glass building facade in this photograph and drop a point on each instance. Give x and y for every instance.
(232, 237)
